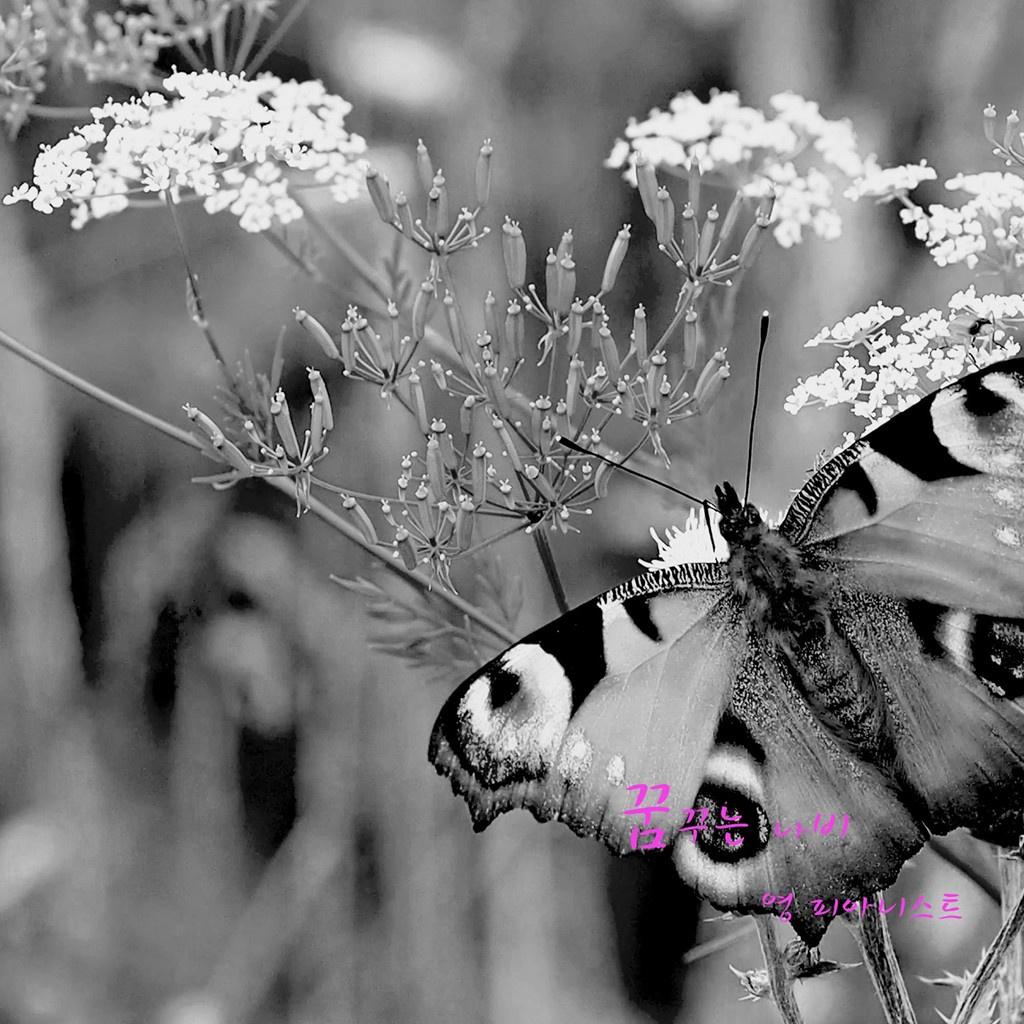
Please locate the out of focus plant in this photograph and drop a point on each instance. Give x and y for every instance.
(498, 455)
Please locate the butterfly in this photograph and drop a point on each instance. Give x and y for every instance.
(866, 657)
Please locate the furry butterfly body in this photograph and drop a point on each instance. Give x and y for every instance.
(866, 658)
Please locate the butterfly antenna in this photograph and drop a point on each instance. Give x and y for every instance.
(566, 443)
(753, 412)
(707, 519)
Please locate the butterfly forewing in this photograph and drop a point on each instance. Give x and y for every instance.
(622, 686)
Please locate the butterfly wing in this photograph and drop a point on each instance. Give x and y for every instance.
(931, 503)
(920, 525)
(659, 682)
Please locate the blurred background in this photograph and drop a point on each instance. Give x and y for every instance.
(215, 802)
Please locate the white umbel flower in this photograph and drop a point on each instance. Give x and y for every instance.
(223, 138)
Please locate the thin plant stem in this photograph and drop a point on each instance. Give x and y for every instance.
(200, 313)
(501, 535)
(59, 113)
(779, 981)
(280, 483)
(712, 946)
(349, 253)
(275, 37)
(550, 569)
(872, 934)
(971, 993)
(73, 380)
(1011, 973)
(251, 19)
(306, 266)
(220, 57)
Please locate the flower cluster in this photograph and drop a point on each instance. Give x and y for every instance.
(121, 45)
(223, 138)
(793, 155)
(886, 183)
(884, 369)
(988, 227)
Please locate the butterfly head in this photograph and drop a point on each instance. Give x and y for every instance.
(741, 524)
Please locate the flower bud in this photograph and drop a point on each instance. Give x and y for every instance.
(483, 173)
(316, 425)
(438, 220)
(394, 333)
(989, 115)
(380, 192)
(541, 482)
(454, 327)
(574, 329)
(551, 278)
(466, 415)
(319, 390)
(464, 520)
(495, 389)
(640, 334)
(448, 454)
(565, 285)
(505, 488)
(317, 332)
(707, 237)
(572, 385)
(1012, 127)
(693, 196)
(691, 338)
(664, 216)
(404, 214)
(363, 521)
(435, 466)
(348, 347)
(647, 186)
(710, 382)
(492, 322)
(437, 372)
(404, 547)
(509, 444)
(753, 241)
(479, 474)
(421, 309)
(728, 224)
(419, 402)
(596, 323)
(515, 329)
(654, 371)
(213, 433)
(689, 232)
(609, 353)
(283, 422)
(565, 246)
(513, 249)
(424, 168)
(616, 255)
